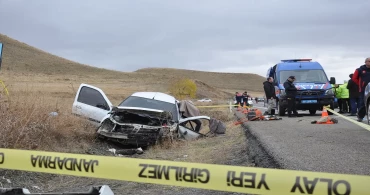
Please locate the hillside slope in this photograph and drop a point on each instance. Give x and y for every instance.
(226, 81)
(19, 57)
(23, 63)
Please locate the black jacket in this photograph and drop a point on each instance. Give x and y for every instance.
(290, 89)
(353, 89)
(269, 90)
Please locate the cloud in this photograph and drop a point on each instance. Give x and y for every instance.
(213, 35)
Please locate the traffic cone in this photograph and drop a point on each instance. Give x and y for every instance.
(324, 112)
(325, 119)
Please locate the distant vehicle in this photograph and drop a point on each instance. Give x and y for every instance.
(142, 119)
(260, 99)
(315, 87)
(205, 100)
(250, 102)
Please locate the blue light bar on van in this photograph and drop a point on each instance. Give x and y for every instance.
(297, 60)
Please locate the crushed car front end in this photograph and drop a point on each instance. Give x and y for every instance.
(136, 126)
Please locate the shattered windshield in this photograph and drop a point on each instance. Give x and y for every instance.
(133, 101)
(304, 76)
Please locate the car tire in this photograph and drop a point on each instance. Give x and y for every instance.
(281, 110)
(367, 113)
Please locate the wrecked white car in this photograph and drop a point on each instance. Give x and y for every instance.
(142, 119)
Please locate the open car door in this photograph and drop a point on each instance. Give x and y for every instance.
(91, 103)
(187, 127)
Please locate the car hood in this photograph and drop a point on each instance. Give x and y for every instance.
(142, 112)
(313, 86)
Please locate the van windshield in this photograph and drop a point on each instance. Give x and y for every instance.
(304, 76)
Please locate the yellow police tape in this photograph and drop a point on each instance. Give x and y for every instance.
(193, 175)
(365, 126)
(222, 106)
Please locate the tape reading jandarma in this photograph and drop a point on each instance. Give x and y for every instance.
(194, 175)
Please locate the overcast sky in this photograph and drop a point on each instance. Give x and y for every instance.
(245, 36)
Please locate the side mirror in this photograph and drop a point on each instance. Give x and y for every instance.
(332, 80)
(1, 53)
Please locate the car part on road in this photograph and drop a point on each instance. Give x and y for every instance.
(99, 190)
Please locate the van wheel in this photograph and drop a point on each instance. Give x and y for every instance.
(312, 111)
(281, 110)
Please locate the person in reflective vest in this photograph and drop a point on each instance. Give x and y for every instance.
(344, 94)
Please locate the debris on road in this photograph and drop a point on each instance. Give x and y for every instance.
(325, 119)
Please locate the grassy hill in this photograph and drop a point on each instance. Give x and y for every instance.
(27, 64)
(230, 82)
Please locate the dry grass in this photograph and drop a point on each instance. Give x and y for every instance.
(217, 149)
(26, 124)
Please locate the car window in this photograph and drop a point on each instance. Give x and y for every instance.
(133, 101)
(92, 97)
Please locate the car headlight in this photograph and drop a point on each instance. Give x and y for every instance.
(329, 92)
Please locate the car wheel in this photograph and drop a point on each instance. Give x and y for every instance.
(312, 111)
(367, 113)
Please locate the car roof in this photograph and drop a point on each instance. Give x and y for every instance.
(299, 66)
(156, 96)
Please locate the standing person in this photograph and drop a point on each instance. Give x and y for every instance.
(238, 98)
(354, 95)
(361, 77)
(338, 96)
(270, 95)
(291, 92)
(245, 97)
(344, 94)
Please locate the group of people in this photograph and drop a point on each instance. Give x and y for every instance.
(361, 77)
(241, 98)
(350, 95)
(291, 92)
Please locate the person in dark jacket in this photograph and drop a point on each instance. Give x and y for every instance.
(270, 95)
(245, 97)
(354, 96)
(291, 92)
(361, 77)
(238, 98)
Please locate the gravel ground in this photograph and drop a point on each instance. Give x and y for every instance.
(296, 144)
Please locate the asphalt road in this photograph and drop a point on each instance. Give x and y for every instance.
(297, 144)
